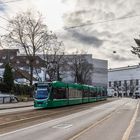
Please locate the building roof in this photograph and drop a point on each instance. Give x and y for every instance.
(124, 68)
(22, 61)
(4, 52)
(22, 74)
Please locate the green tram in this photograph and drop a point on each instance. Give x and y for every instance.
(56, 94)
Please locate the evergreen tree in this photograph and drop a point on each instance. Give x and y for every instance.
(136, 50)
(8, 76)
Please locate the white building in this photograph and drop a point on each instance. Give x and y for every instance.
(124, 81)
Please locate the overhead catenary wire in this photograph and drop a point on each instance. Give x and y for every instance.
(100, 22)
(4, 18)
(77, 26)
(5, 29)
(11, 1)
(88, 24)
(1, 3)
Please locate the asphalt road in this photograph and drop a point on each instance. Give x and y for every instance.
(114, 127)
(108, 121)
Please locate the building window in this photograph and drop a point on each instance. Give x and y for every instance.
(109, 83)
(4, 57)
(39, 70)
(11, 57)
(27, 61)
(18, 62)
(37, 62)
(119, 83)
(115, 83)
(137, 82)
(131, 82)
(125, 82)
(26, 68)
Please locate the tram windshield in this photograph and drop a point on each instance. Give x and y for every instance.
(41, 92)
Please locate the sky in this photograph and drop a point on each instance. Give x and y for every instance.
(98, 39)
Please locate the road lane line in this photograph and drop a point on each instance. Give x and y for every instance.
(96, 124)
(132, 123)
(41, 124)
(88, 128)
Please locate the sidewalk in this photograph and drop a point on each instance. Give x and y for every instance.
(16, 105)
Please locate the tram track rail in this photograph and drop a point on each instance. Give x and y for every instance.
(18, 118)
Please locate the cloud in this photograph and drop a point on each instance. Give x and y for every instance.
(2, 7)
(82, 37)
(86, 39)
(101, 38)
(121, 58)
(86, 16)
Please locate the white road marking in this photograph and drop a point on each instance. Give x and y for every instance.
(96, 124)
(60, 120)
(131, 125)
(63, 125)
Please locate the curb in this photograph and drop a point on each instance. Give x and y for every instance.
(4, 108)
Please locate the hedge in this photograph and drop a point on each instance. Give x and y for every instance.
(18, 89)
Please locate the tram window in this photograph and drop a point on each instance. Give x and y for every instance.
(79, 93)
(100, 92)
(85, 93)
(75, 93)
(59, 93)
(104, 94)
(93, 93)
(67, 93)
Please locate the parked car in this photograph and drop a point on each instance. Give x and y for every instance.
(110, 95)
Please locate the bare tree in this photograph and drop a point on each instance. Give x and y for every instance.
(53, 54)
(80, 68)
(125, 88)
(117, 88)
(133, 88)
(28, 32)
(1, 45)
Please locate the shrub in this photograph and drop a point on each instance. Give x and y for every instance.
(4, 88)
(23, 90)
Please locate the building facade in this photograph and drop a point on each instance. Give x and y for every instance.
(20, 64)
(100, 72)
(124, 81)
(99, 75)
